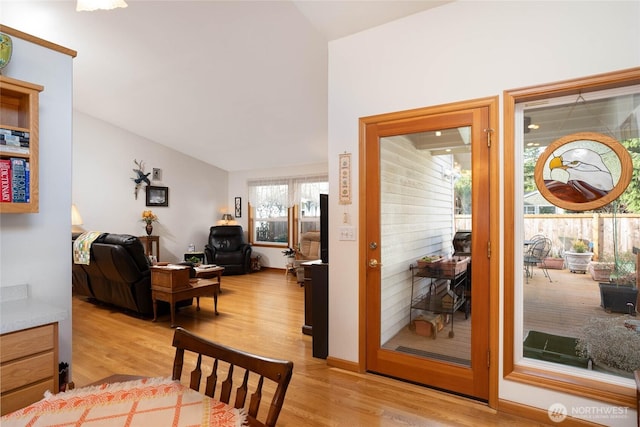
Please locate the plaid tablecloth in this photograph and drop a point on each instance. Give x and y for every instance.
(154, 402)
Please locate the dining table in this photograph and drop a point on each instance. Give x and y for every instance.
(144, 402)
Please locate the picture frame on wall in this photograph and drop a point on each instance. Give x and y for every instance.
(238, 207)
(157, 196)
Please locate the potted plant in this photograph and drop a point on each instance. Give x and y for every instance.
(611, 345)
(602, 269)
(289, 253)
(579, 257)
(620, 293)
(289, 267)
(554, 261)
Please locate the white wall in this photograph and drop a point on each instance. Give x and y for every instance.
(36, 248)
(103, 191)
(462, 50)
(269, 257)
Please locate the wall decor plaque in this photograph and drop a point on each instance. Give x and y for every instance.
(345, 179)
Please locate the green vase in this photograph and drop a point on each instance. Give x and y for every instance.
(6, 48)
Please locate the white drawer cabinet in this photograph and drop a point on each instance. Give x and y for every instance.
(28, 366)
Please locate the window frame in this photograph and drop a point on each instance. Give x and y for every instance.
(554, 379)
(294, 220)
(252, 218)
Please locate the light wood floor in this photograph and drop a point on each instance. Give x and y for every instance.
(263, 313)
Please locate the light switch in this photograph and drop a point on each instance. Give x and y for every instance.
(347, 232)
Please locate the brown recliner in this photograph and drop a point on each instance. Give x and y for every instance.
(309, 251)
(227, 248)
(118, 274)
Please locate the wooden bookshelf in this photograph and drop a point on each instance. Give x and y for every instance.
(19, 112)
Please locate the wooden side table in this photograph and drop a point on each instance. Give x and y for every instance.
(200, 288)
(210, 273)
(290, 267)
(148, 242)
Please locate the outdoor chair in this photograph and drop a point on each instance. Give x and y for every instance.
(254, 370)
(536, 255)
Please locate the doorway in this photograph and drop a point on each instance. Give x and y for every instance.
(428, 197)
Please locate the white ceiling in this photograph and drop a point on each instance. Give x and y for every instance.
(238, 84)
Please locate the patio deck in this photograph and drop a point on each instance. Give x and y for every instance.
(563, 305)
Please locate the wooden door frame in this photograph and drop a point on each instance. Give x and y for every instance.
(491, 103)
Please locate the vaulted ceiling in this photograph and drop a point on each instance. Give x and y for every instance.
(238, 84)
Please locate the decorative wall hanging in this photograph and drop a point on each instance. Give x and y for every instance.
(583, 171)
(140, 177)
(238, 207)
(157, 196)
(345, 179)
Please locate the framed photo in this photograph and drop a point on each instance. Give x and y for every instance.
(238, 207)
(583, 171)
(157, 196)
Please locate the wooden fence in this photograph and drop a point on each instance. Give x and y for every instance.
(596, 228)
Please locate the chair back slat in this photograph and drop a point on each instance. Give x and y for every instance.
(227, 386)
(279, 373)
(241, 392)
(212, 380)
(177, 363)
(256, 397)
(196, 375)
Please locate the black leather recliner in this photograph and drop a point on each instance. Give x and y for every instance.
(119, 274)
(227, 248)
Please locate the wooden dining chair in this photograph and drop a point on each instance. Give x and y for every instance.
(256, 370)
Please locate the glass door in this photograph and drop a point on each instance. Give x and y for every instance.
(427, 234)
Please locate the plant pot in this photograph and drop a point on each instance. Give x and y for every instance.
(554, 263)
(618, 299)
(578, 262)
(600, 271)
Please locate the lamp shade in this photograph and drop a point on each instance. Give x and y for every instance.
(226, 218)
(76, 219)
(90, 5)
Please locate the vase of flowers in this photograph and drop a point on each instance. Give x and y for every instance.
(148, 217)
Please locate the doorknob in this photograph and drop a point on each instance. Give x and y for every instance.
(373, 263)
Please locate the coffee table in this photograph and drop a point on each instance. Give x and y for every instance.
(196, 289)
(209, 272)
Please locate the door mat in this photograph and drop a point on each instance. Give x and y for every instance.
(430, 355)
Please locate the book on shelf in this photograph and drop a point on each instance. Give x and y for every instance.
(5, 181)
(27, 180)
(13, 149)
(14, 140)
(22, 133)
(18, 180)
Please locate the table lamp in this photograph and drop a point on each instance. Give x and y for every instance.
(76, 220)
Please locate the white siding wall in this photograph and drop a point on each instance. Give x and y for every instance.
(416, 220)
